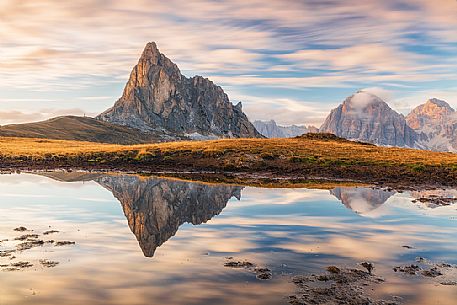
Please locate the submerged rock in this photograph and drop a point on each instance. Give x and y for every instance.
(22, 265)
(262, 273)
(64, 243)
(26, 237)
(29, 245)
(446, 273)
(233, 264)
(48, 264)
(50, 232)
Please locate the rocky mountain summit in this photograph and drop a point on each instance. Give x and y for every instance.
(366, 117)
(159, 99)
(431, 114)
(438, 122)
(272, 130)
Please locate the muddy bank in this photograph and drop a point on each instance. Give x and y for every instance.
(351, 286)
(338, 286)
(335, 285)
(439, 272)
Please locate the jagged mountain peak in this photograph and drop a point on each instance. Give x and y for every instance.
(158, 98)
(150, 50)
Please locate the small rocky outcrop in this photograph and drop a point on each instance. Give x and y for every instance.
(159, 99)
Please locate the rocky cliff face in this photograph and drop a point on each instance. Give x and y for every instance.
(158, 98)
(367, 118)
(438, 122)
(271, 130)
(156, 208)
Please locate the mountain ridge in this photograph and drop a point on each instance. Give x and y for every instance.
(79, 129)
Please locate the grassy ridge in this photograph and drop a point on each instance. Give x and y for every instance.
(78, 129)
(308, 156)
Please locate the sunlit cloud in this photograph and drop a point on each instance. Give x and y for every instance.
(284, 110)
(68, 50)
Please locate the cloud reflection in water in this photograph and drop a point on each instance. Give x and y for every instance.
(289, 230)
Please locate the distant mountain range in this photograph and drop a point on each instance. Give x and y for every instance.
(366, 117)
(271, 130)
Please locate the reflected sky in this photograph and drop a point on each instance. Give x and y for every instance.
(140, 240)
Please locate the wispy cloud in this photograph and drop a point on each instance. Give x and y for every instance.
(285, 110)
(50, 46)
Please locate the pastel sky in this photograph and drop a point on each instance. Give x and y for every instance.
(291, 61)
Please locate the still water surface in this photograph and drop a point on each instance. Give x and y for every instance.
(158, 241)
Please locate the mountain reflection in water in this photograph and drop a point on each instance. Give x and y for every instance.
(362, 200)
(155, 208)
(290, 231)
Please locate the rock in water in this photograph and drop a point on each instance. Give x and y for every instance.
(367, 118)
(159, 99)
